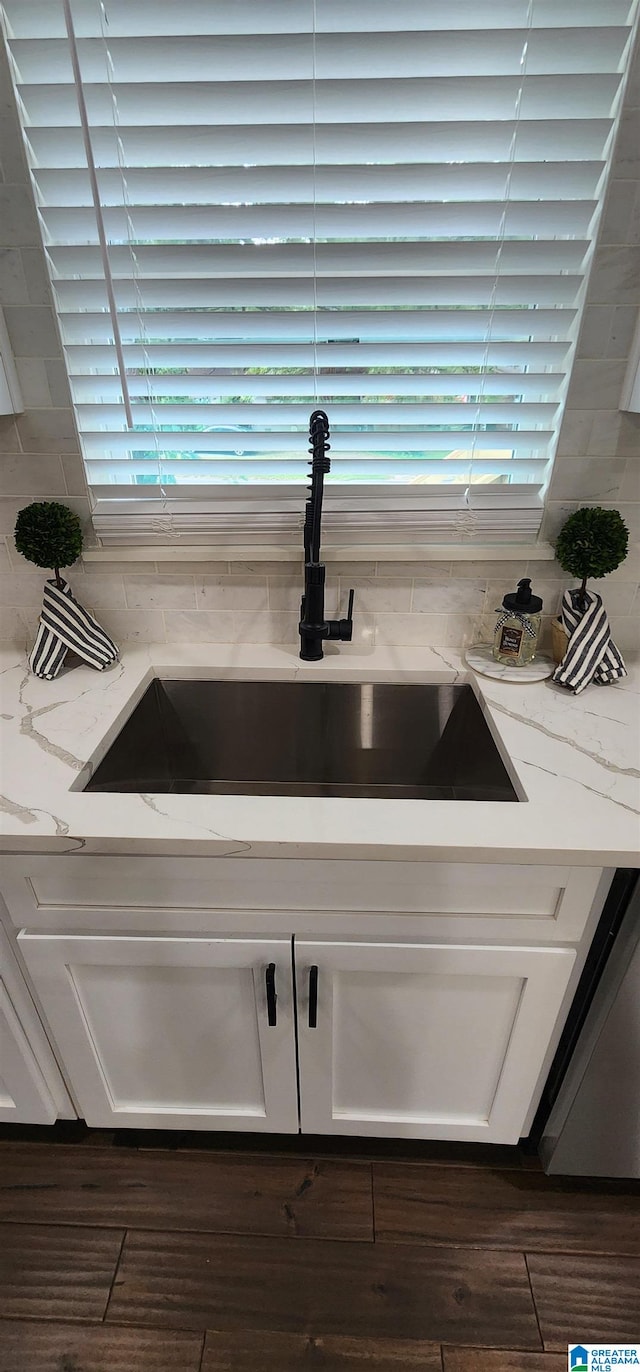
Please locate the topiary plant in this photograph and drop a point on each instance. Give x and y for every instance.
(592, 542)
(50, 535)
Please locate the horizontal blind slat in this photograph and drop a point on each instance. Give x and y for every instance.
(43, 19)
(418, 470)
(206, 145)
(331, 325)
(84, 358)
(291, 102)
(194, 222)
(99, 445)
(98, 389)
(351, 56)
(332, 293)
(255, 260)
(135, 18)
(66, 187)
(278, 415)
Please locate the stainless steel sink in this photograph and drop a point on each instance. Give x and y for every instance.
(306, 739)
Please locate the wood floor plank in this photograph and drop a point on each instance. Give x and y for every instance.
(222, 1282)
(48, 1347)
(273, 1352)
(62, 1273)
(195, 1191)
(499, 1360)
(593, 1300)
(521, 1210)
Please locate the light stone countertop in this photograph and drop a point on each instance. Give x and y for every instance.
(576, 763)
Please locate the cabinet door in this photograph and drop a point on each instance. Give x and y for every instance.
(172, 1032)
(24, 1095)
(424, 1040)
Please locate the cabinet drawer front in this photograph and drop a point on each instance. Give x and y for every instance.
(45, 892)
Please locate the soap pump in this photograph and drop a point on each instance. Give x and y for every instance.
(518, 626)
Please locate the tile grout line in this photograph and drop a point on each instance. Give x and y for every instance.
(115, 1273)
(533, 1299)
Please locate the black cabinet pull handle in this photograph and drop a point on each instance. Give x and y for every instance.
(270, 978)
(313, 997)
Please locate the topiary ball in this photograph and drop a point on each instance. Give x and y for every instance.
(49, 534)
(592, 542)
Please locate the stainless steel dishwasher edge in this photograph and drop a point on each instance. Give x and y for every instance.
(594, 1125)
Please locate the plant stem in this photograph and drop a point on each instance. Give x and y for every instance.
(58, 578)
(583, 598)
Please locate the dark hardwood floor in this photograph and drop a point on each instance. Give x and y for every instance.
(196, 1259)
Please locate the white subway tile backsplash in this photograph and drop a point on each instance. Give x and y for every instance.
(74, 474)
(18, 218)
(615, 278)
(444, 597)
(38, 475)
(378, 595)
(23, 588)
(587, 478)
(99, 590)
(36, 276)
(270, 626)
(630, 484)
(18, 626)
(159, 591)
(43, 430)
(58, 383)
(34, 382)
(594, 332)
(194, 626)
(232, 593)
(9, 436)
(13, 287)
(575, 432)
(595, 385)
(419, 630)
(625, 631)
(132, 626)
(427, 571)
(618, 211)
(32, 331)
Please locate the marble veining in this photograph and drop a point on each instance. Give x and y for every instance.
(575, 762)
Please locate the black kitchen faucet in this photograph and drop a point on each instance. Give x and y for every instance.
(314, 628)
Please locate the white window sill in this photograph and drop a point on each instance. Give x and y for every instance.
(348, 552)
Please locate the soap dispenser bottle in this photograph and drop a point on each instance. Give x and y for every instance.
(518, 626)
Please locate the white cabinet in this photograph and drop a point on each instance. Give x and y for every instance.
(424, 1040)
(441, 989)
(172, 1032)
(31, 1089)
(24, 1096)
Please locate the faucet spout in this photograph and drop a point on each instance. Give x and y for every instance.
(314, 628)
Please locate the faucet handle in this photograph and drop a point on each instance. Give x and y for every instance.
(343, 628)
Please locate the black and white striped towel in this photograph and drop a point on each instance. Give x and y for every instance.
(591, 653)
(63, 625)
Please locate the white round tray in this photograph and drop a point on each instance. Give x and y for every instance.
(480, 657)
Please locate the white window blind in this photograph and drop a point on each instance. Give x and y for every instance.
(384, 209)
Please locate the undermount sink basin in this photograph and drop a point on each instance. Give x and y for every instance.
(293, 738)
